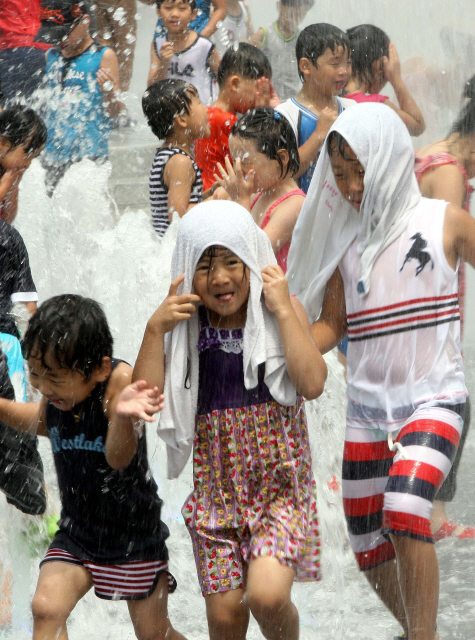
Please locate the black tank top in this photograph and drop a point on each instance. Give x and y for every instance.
(107, 515)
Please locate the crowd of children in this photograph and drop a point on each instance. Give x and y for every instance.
(273, 168)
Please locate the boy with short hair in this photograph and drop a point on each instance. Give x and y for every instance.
(277, 41)
(181, 53)
(82, 84)
(110, 507)
(322, 54)
(244, 83)
(177, 116)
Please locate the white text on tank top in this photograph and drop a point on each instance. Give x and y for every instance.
(404, 336)
(192, 65)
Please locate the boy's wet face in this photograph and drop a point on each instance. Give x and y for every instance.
(330, 73)
(17, 159)
(349, 175)
(244, 92)
(197, 120)
(222, 282)
(176, 15)
(64, 388)
(70, 44)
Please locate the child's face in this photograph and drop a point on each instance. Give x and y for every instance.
(293, 16)
(176, 15)
(16, 158)
(64, 388)
(267, 171)
(222, 282)
(73, 41)
(349, 175)
(197, 122)
(330, 75)
(244, 92)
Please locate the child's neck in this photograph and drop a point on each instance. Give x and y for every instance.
(353, 86)
(285, 23)
(233, 8)
(180, 141)
(182, 39)
(225, 101)
(235, 321)
(311, 98)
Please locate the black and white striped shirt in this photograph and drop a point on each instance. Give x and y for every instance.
(159, 190)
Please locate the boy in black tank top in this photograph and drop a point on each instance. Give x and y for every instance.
(110, 507)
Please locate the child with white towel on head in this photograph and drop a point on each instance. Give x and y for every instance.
(234, 355)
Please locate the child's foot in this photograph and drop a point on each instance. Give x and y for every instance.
(450, 529)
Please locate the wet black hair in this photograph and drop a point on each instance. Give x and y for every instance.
(71, 329)
(271, 132)
(192, 3)
(163, 101)
(465, 123)
(368, 43)
(336, 143)
(244, 60)
(22, 126)
(315, 39)
(297, 3)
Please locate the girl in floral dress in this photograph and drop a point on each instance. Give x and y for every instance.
(239, 360)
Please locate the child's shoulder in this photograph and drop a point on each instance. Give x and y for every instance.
(120, 377)
(346, 102)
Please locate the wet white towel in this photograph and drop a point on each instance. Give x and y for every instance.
(328, 224)
(229, 225)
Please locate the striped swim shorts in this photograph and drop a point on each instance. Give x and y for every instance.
(392, 491)
(127, 581)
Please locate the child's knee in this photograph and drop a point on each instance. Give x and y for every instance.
(159, 630)
(266, 602)
(46, 609)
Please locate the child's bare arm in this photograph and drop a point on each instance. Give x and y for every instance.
(24, 416)
(150, 364)
(305, 365)
(331, 327)
(124, 405)
(179, 177)
(218, 15)
(249, 27)
(108, 80)
(281, 225)
(408, 110)
(310, 149)
(258, 38)
(213, 62)
(159, 64)
(459, 236)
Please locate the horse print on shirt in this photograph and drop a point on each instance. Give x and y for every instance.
(417, 252)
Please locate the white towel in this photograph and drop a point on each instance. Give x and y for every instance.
(229, 225)
(328, 224)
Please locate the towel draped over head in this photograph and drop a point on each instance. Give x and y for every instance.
(328, 224)
(229, 225)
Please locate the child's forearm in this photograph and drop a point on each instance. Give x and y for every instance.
(22, 416)
(309, 151)
(305, 364)
(415, 121)
(150, 364)
(113, 105)
(326, 336)
(121, 442)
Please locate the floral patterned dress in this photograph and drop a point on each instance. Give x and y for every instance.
(254, 492)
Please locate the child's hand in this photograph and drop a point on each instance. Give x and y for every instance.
(276, 290)
(325, 121)
(263, 93)
(392, 65)
(237, 185)
(166, 53)
(174, 308)
(221, 194)
(105, 80)
(274, 99)
(139, 402)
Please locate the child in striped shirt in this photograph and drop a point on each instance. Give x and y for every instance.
(177, 116)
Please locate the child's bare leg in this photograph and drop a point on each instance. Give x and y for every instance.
(418, 573)
(150, 616)
(5, 596)
(60, 587)
(268, 594)
(228, 615)
(384, 580)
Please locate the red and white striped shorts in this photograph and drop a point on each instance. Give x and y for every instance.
(393, 492)
(128, 581)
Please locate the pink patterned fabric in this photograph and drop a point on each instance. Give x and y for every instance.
(284, 251)
(439, 160)
(254, 494)
(357, 96)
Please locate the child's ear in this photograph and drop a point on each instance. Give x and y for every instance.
(284, 157)
(179, 121)
(104, 371)
(305, 66)
(234, 82)
(194, 13)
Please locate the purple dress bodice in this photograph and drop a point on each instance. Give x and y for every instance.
(221, 376)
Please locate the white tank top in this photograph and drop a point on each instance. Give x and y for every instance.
(404, 335)
(192, 65)
(233, 29)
